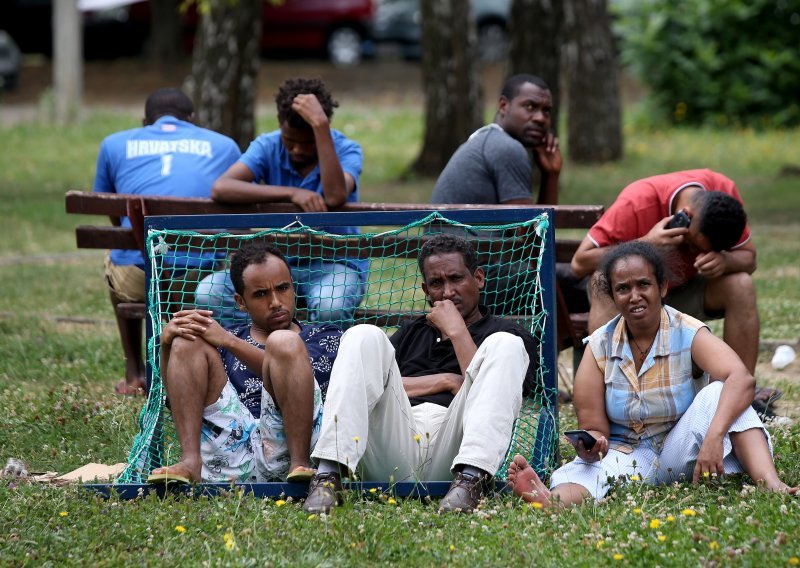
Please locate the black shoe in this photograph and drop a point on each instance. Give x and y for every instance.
(324, 493)
(465, 493)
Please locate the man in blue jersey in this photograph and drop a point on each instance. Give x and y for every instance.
(314, 166)
(247, 400)
(167, 156)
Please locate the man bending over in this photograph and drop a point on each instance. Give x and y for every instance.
(247, 401)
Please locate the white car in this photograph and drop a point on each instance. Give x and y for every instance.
(10, 61)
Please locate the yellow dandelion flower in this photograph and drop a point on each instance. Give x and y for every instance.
(600, 544)
(355, 439)
(311, 517)
(661, 538)
(373, 490)
(688, 513)
(637, 510)
(670, 518)
(452, 548)
(180, 528)
(280, 503)
(417, 438)
(392, 501)
(635, 478)
(618, 556)
(63, 514)
(706, 474)
(713, 545)
(536, 505)
(794, 561)
(230, 541)
(655, 523)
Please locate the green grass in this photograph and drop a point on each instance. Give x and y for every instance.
(56, 377)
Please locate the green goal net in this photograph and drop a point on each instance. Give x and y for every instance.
(184, 261)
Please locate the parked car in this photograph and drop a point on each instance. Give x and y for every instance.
(339, 29)
(112, 28)
(115, 28)
(399, 22)
(10, 61)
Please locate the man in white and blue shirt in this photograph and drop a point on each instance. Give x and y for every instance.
(310, 164)
(167, 156)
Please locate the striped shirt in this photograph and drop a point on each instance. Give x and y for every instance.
(642, 408)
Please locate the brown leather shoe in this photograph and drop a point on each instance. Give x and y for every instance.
(465, 493)
(324, 493)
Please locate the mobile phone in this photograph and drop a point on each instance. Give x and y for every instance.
(574, 435)
(679, 220)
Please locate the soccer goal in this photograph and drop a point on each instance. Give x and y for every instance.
(515, 247)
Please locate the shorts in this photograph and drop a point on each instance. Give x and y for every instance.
(690, 299)
(126, 281)
(235, 446)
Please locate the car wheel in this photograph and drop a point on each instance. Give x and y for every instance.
(492, 42)
(9, 82)
(344, 47)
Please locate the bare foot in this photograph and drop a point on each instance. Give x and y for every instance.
(526, 483)
(135, 388)
(180, 471)
(781, 487)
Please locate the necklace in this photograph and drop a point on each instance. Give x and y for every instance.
(642, 352)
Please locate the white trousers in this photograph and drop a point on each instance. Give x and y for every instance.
(675, 461)
(369, 425)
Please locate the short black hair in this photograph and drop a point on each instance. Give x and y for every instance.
(446, 243)
(646, 251)
(514, 83)
(168, 101)
(298, 86)
(253, 252)
(721, 218)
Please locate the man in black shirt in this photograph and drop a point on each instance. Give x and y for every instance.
(435, 401)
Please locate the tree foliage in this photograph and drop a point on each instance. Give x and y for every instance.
(716, 62)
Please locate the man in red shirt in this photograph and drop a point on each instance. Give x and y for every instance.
(710, 261)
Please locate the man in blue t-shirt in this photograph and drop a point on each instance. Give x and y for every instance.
(247, 401)
(314, 166)
(167, 156)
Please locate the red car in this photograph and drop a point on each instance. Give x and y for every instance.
(341, 28)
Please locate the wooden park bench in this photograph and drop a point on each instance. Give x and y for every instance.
(570, 327)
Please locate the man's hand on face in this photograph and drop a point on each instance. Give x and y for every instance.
(309, 201)
(548, 155)
(308, 107)
(444, 315)
(660, 236)
(710, 264)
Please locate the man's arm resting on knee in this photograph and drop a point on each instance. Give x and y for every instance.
(587, 258)
(432, 384)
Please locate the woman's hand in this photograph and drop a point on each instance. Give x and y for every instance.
(709, 460)
(598, 451)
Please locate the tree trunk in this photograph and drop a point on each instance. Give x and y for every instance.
(453, 101)
(595, 131)
(164, 46)
(535, 28)
(225, 68)
(67, 60)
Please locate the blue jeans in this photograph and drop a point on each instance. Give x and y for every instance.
(331, 290)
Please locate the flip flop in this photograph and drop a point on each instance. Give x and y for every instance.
(167, 478)
(301, 475)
